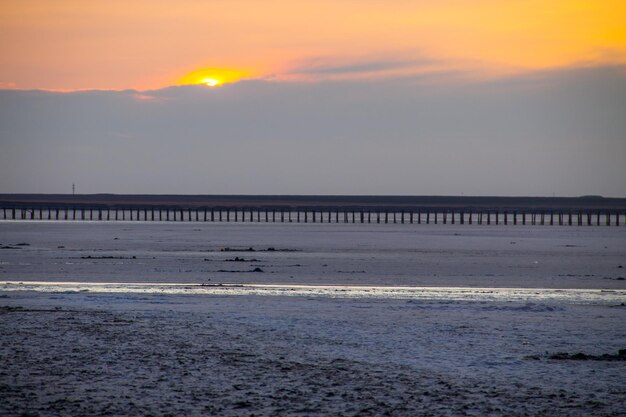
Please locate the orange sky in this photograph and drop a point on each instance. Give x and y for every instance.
(147, 44)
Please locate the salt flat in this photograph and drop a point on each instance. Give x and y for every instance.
(349, 254)
(141, 354)
(132, 330)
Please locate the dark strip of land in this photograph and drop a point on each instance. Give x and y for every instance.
(320, 202)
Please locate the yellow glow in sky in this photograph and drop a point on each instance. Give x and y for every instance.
(213, 77)
(211, 82)
(72, 44)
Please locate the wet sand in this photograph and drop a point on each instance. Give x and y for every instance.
(129, 354)
(327, 254)
(120, 351)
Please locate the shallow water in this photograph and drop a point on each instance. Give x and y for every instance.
(570, 296)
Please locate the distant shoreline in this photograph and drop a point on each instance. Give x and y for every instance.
(311, 201)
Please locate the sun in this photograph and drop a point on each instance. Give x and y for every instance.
(211, 82)
(213, 77)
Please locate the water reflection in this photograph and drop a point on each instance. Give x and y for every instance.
(577, 296)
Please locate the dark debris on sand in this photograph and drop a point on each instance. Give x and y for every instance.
(563, 356)
(238, 259)
(238, 271)
(251, 249)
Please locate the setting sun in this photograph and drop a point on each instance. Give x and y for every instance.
(211, 82)
(213, 77)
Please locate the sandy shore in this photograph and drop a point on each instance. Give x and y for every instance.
(168, 346)
(131, 354)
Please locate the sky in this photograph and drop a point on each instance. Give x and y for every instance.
(449, 97)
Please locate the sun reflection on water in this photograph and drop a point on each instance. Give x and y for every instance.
(578, 296)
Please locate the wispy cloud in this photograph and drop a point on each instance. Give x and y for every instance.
(8, 86)
(342, 66)
(144, 97)
(324, 67)
(407, 64)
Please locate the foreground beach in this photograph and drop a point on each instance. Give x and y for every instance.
(69, 349)
(126, 354)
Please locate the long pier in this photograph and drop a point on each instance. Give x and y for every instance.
(303, 215)
(586, 211)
